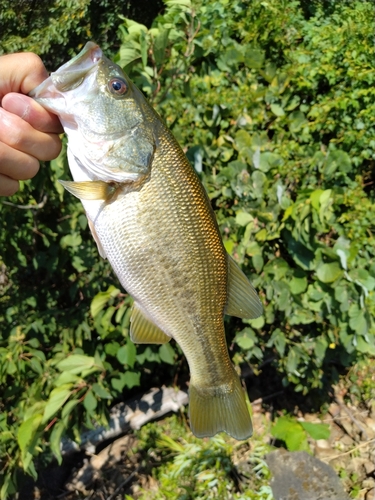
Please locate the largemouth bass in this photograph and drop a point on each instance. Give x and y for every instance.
(151, 218)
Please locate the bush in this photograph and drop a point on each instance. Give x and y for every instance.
(276, 112)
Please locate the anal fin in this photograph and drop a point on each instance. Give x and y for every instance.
(243, 300)
(144, 331)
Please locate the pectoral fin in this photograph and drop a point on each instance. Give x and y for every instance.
(144, 331)
(90, 190)
(243, 300)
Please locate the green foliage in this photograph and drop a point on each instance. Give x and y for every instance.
(187, 467)
(57, 29)
(295, 433)
(275, 110)
(281, 128)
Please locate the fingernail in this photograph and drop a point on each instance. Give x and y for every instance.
(17, 104)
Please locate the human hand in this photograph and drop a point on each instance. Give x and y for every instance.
(28, 132)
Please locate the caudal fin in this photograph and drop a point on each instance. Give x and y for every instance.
(217, 409)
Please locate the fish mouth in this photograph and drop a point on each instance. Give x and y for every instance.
(68, 77)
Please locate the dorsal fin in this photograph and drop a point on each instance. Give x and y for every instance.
(144, 331)
(243, 300)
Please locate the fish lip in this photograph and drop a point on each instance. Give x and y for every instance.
(70, 75)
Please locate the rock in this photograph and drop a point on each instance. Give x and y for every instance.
(369, 467)
(299, 476)
(336, 434)
(368, 483)
(334, 409)
(372, 409)
(83, 479)
(370, 427)
(113, 453)
(357, 466)
(348, 426)
(323, 449)
(370, 495)
(323, 444)
(130, 415)
(347, 441)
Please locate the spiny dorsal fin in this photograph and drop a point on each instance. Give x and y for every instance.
(243, 300)
(90, 190)
(144, 331)
(96, 238)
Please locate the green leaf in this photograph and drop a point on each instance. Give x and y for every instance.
(327, 273)
(144, 47)
(315, 198)
(112, 348)
(160, 45)
(132, 379)
(362, 277)
(270, 160)
(27, 431)
(100, 391)
(55, 440)
(358, 321)
(246, 339)
(278, 340)
(258, 263)
(101, 299)
(167, 353)
(365, 347)
(297, 120)
(68, 408)
(7, 487)
(119, 383)
(316, 431)
(129, 54)
(76, 363)
(243, 218)
(66, 378)
(254, 58)
(298, 285)
(90, 402)
(71, 240)
(127, 354)
(277, 110)
(56, 400)
(291, 432)
(257, 323)
(302, 255)
(242, 139)
(320, 348)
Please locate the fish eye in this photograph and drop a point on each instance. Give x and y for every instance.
(118, 86)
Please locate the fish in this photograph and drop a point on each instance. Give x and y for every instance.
(152, 219)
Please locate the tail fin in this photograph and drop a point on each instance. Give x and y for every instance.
(217, 409)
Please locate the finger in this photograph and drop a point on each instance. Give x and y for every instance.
(21, 73)
(32, 112)
(8, 186)
(16, 164)
(21, 136)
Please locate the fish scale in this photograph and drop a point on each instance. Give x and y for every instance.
(152, 219)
